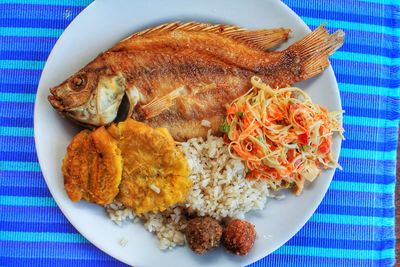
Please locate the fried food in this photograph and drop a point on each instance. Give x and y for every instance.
(131, 162)
(176, 75)
(155, 172)
(92, 167)
(203, 234)
(239, 237)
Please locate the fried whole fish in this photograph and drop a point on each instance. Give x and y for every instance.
(176, 75)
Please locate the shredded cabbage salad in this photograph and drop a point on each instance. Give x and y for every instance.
(281, 134)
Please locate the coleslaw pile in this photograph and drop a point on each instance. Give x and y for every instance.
(281, 135)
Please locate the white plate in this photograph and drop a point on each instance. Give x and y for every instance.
(96, 29)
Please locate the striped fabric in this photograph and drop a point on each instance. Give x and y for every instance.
(354, 225)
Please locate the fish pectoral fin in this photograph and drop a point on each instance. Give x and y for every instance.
(259, 39)
(158, 105)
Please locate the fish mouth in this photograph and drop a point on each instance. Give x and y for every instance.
(56, 102)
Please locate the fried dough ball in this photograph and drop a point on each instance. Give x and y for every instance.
(155, 172)
(239, 237)
(92, 167)
(203, 234)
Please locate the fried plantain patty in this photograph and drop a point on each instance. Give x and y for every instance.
(92, 167)
(131, 162)
(155, 172)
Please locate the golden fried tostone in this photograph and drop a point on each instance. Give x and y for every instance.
(155, 172)
(92, 167)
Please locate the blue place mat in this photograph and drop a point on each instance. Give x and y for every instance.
(354, 225)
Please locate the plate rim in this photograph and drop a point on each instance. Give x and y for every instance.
(277, 245)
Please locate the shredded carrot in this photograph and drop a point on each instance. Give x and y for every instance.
(281, 135)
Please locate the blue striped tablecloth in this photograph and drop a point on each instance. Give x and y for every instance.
(354, 225)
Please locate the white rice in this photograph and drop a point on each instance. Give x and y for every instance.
(122, 242)
(119, 214)
(219, 190)
(168, 226)
(155, 188)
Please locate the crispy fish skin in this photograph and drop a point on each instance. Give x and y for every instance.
(92, 167)
(176, 75)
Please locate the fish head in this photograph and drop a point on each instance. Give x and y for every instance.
(90, 97)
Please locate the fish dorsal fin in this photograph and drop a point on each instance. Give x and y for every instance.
(260, 39)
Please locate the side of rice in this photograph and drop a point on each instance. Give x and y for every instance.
(219, 190)
(219, 186)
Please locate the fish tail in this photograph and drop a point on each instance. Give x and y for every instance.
(315, 49)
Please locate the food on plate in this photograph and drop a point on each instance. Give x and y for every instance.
(219, 191)
(155, 172)
(283, 137)
(224, 185)
(130, 162)
(184, 191)
(178, 74)
(167, 95)
(164, 183)
(239, 236)
(92, 167)
(203, 234)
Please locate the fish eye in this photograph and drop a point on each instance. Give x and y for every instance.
(78, 82)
